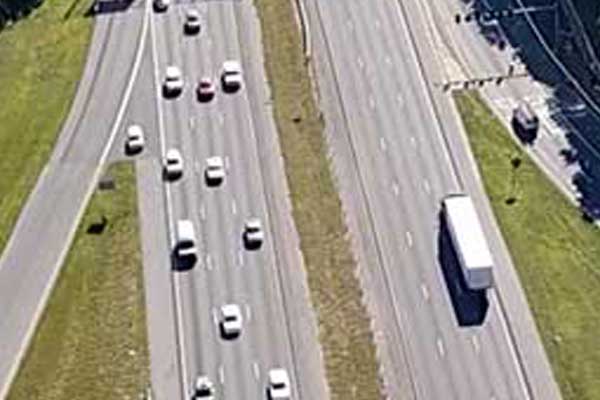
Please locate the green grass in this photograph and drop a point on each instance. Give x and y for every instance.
(41, 60)
(345, 335)
(556, 253)
(91, 342)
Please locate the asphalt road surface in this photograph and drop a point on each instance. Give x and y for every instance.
(36, 249)
(268, 284)
(396, 156)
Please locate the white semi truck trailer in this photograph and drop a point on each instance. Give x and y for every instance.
(469, 241)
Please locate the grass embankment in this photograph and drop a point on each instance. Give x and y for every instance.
(41, 60)
(345, 335)
(556, 253)
(91, 342)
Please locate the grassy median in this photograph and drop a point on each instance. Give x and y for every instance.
(345, 335)
(556, 253)
(41, 60)
(91, 342)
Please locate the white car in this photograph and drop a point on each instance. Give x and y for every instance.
(161, 5)
(231, 77)
(215, 170)
(173, 84)
(231, 320)
(253, 233)
(279, 384)
(193, 21)
(173, 164)
(203, 388)
(135, 139)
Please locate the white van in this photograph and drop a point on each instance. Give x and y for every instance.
(186, 239)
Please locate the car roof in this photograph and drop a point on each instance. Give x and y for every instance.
(193, 12)
(278, 375)
(215, 161)
(203, 380)
(135, 130)
(253, 222)
(232, 65)
(173, 70)
(173, 153)
(231, 309)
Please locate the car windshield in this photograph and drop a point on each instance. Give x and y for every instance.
(186, 244)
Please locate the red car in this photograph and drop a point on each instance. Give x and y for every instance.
(206, 89)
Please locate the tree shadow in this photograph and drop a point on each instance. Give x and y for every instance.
(13, 10)
(470, 306)
(566, 108)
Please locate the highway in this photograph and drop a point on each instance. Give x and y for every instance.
(397, 151)
(34, 254)
(268, 284)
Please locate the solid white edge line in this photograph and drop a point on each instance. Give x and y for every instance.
(162, 144)
(71, 235)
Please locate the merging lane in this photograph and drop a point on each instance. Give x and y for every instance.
(33, 256)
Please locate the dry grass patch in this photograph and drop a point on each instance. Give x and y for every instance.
(345, 335)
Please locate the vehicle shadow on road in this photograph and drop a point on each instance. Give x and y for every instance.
(566, 109)
(108, 7)
(470, 307)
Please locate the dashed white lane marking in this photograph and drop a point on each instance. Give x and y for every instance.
(409, 240)
(400, 99)
(413, 141)
(425, 292)
(221, 374)
(371, 102)
(215, 315)
(240, 258)
(426, 186)
(221, 119)
(191, 122)
(440, 346)
(208, 261)
(203, 212)
(248, 313)
(377, 24)
(396, 189)
(388, 61)
(226, 162)
(361, 63)
(475, 343)
(382, 143)
(233, 207)
(256, 370)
